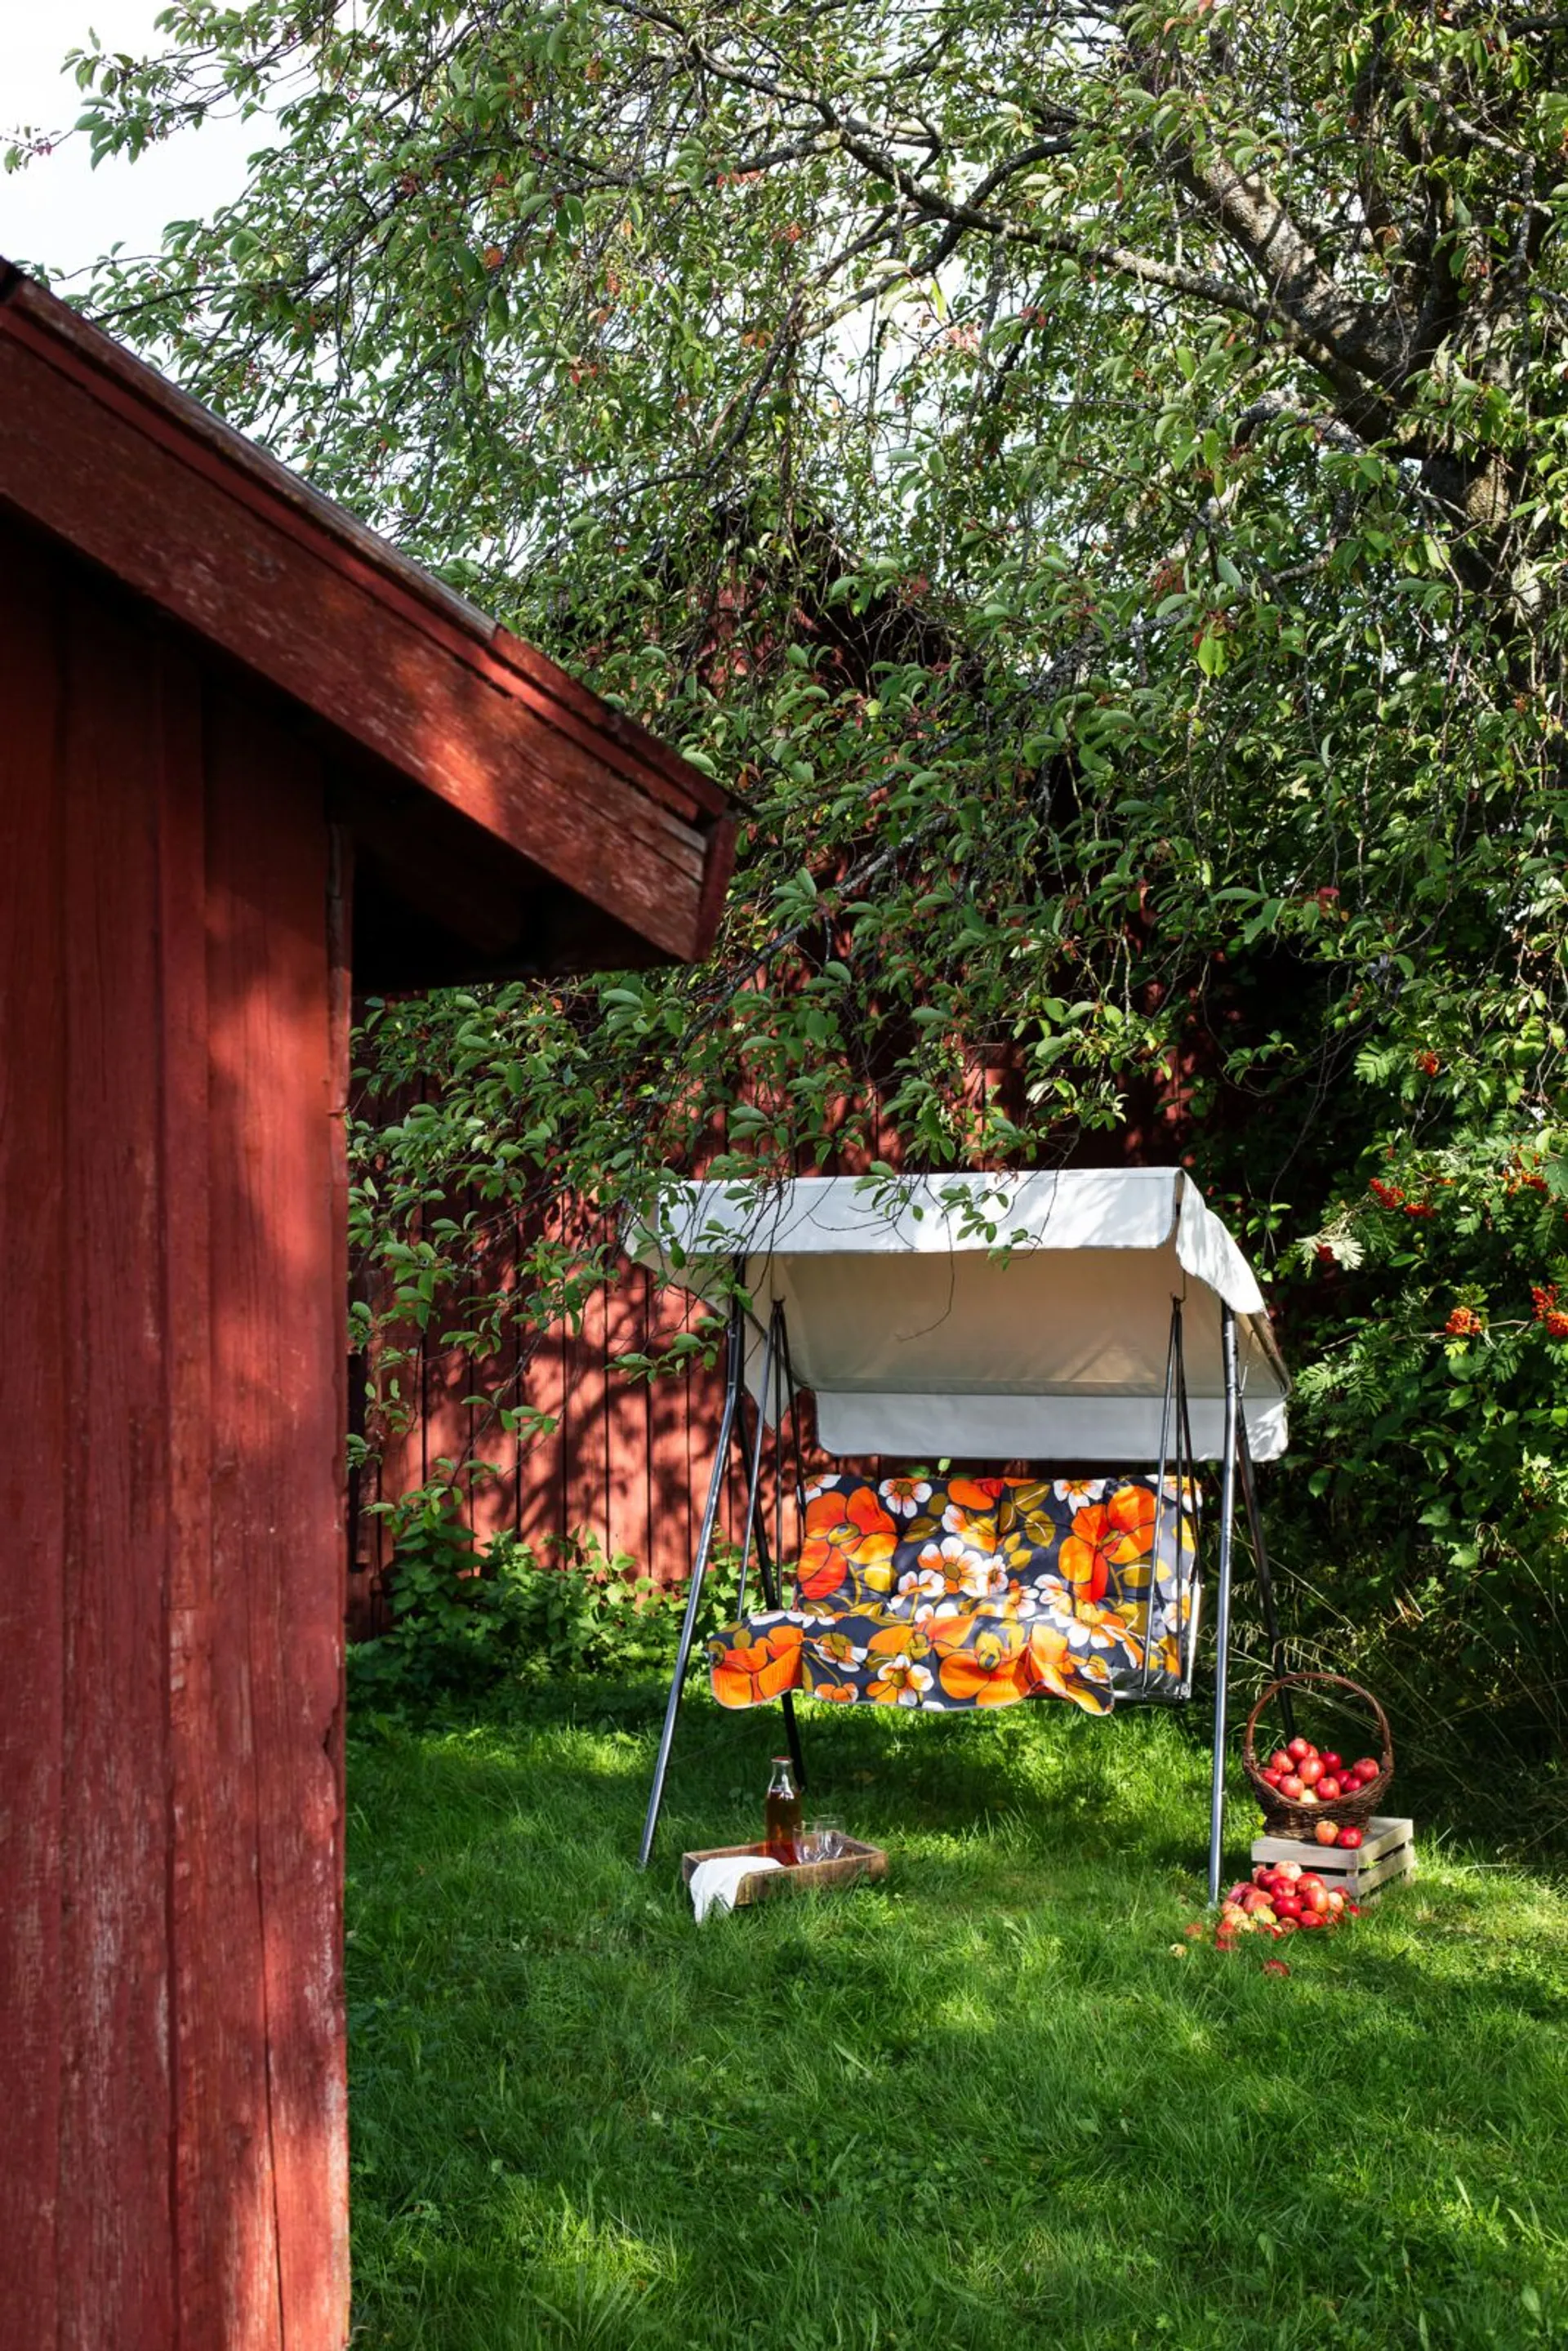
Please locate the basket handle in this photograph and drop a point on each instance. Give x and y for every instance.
(1292, 1681)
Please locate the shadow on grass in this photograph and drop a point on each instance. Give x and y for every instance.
(982, 2105)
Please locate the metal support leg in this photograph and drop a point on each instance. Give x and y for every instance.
(753, 1466)
(734, 1361)
(1265, 1575)
(792, 1728)
(1222, 1612)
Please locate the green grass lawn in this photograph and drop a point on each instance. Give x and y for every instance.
(981, 2105)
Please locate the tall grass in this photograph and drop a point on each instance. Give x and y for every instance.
(981, 2105)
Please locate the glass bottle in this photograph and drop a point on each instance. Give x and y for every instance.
(783, 1812)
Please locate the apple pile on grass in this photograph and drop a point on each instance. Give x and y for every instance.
(1282, 1899)
(1302, 1775)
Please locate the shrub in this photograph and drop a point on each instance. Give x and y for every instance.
(1428, 1476)
(465, 1617)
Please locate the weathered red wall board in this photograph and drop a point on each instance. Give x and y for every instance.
(172, 2160)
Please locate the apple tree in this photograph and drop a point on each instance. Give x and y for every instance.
(1091, 478)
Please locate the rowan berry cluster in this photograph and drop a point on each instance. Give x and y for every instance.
(1548, 1313)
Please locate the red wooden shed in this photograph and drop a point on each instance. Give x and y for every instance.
(249, 760)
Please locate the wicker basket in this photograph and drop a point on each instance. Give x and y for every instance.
(1285, 1819)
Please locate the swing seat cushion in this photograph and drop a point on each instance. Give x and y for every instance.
(966, 1591)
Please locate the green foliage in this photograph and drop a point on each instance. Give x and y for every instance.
(940, 2112)
(583, 1617)
(1095, 488)
(455, 1627)
(1431, 1470)
(463, 1618)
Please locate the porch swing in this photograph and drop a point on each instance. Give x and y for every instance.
(1103, 1326)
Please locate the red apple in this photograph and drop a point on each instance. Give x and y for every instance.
(1331, 1762)
(1286, 1906)
(1297, 1749)
(1288, 1926)
(1309, 1771)
(1350, 1839)
(1310, 1919)
(1292, 1787)
(1326, 1833)
(1290, 1870)
(1328, 1789)
(1281, 1759)
(1367, 1768)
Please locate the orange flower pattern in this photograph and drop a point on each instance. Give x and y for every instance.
(757, 1665)
(849, 1545)
(1106, 1535)
(976, 1592)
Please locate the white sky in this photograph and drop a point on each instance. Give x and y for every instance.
(59, 212)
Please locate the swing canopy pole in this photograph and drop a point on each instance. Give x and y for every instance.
(1222, 1607)
(732, 1388)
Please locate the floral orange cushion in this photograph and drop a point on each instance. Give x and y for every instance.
(962, 1592)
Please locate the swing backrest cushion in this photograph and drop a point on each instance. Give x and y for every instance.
(929, 1550)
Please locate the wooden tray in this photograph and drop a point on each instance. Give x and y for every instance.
(857, 1861)
(1386, 1853)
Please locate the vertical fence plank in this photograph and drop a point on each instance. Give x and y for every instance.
(541, 1505)
(495, 1508)
(586, 1450)
(670, 1503)
(627, 1420)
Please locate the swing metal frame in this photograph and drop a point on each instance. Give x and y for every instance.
(1236, 1477)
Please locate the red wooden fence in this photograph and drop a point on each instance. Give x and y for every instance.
(628, 1464)
(626, 1468)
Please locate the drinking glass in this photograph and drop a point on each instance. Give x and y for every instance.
(824, 1838)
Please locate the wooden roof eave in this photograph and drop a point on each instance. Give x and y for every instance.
(98, 450)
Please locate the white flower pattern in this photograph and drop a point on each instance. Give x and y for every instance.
(979, 1611)
(1079, 1492)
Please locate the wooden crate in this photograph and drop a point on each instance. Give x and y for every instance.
(1386, 1854)
(857, 1861)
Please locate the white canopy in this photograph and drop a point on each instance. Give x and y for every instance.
(1002, 1317)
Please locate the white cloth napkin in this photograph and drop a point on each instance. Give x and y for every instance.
(714, 1883)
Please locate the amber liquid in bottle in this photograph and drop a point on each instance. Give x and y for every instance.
(782, 1812)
